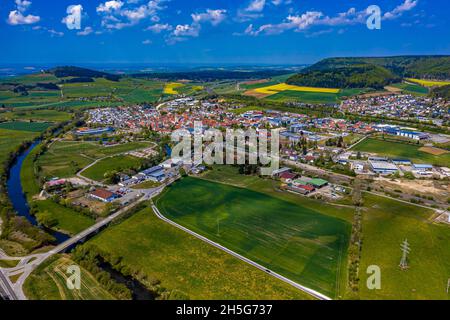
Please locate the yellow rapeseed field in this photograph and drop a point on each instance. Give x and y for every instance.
(429, 83)
(171, 86)
(284, 87)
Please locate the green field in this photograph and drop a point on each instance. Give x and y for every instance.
(412, 88)
(101, 92)
(313, 97)
(307, 97)
(48, 282)
(386, 224)
(297, 242)
(10, 139)
(8, 263)
(403, 151)
(146, 185)
(186, 264)
(33, 78)
(64, 158)
(25, 126)
(40, 115)
(118, 163)
(68, 220)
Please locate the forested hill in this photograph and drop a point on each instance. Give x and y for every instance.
(82, 73)
(433, 67)
(378, 71)
(360, 75)
(441, 92)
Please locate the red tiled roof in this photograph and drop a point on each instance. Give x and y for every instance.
(103, 194)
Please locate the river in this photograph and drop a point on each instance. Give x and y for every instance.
(20, 205)
(18, 198)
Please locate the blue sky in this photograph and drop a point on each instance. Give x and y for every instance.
(217, 31)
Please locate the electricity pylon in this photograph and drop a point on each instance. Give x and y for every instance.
(405, 251)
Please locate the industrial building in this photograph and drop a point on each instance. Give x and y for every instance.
(383, 167)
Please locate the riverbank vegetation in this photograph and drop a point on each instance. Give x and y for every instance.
(18, 235)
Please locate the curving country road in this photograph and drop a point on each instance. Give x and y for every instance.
(307, 290)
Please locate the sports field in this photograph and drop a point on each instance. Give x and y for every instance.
(48, 282)
(429, 83)
(403, 151)
(295, 241)
(186, 266)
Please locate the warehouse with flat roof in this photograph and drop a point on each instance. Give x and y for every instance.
(383, 167)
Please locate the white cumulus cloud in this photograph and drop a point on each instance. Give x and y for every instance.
(215, 17)
(87, 31)
(400, 9)
(18, 16)
(118, 15)
(109, 6)
(309, 19)
(256, 6)
(158, 28)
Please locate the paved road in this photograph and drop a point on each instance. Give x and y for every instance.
(6, 290)
(356, 143)
(25, 267)
(312, 292)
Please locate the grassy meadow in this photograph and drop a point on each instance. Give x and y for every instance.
(65, 158)
(186, 264)
(37, 115)
(403, 151)
(99, 93)
(297, 242)
(411, 88)
(117, 163)
(68, 220)
(48, 282)
(25, 126)
(10, 139)
(386, 224)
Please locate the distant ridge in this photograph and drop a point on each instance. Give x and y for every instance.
(83, 73)
(372, 72)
